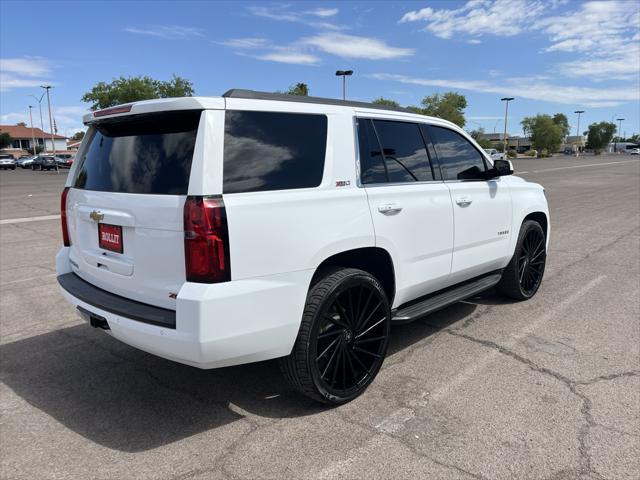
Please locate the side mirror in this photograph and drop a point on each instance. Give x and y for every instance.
(502, 168)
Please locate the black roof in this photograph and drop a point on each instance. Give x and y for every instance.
(285, 97)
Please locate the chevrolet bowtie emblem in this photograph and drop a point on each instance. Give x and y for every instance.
(96, 215)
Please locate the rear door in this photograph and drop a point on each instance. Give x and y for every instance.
(409, 204)
(481, 208)
(125, 204)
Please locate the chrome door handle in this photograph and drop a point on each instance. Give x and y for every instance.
(464, 201)
(389, 209)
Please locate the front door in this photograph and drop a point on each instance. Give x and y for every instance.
(482, 210)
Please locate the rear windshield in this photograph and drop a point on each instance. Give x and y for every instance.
(148, 153)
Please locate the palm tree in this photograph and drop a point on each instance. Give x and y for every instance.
(301, 89)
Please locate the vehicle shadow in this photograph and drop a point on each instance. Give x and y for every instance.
(130, 401)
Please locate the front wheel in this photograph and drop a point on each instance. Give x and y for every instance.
(523, 276)
(343, 337)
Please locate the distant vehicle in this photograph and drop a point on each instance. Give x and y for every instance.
(7, 161)
(25, 161)
(634, 151)
(495, 154)
(44, 162)
(65, 161)
(568, 151)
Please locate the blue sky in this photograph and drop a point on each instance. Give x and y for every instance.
(551, 55)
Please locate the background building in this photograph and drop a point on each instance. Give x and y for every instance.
(23, 139)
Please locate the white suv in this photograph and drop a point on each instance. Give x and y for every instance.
(228, 230)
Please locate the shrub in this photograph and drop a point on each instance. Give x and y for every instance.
(531, 153)
(512, 154)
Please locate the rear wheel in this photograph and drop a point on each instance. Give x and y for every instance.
(343, 337)
(523, 276)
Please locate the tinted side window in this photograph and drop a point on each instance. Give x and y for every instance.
(273, 151)
(371, 162)
(404, 151)
(459, 160)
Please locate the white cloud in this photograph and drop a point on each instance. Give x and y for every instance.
(479, 17)
(604, 33)
(247, 43)
(285, 14)
(264, 49)
(27, 72)
(284, 56)
(30, 67)
(324, 12)
(302, 52)
(533, 89)
(169, 32)
(351, 46)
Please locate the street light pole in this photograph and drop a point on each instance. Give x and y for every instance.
(506, 113)
(344, 74)
(53, 145)
(578, 131)
(619, 120)
(39, 100)
(53, 142)
(33, 136)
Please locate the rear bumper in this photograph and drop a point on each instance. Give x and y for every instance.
(216, 325)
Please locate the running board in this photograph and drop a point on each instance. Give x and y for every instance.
(446, 298)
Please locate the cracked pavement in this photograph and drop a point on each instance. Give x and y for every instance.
(485, 389)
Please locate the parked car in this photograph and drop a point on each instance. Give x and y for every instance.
(495, 154)
(44, 162)
(25, 161)
(634, 151)
(64, 161)
(7, 162)
(259, 226)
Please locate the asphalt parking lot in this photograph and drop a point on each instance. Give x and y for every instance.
(487, 388)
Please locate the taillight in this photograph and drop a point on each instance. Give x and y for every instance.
(63, 217)
(206, 240)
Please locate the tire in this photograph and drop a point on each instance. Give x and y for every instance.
(352, 338)
(523, 276)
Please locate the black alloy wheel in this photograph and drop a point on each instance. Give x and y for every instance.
(351, 338)
(531, 261)
(523, 276)
(343, 337)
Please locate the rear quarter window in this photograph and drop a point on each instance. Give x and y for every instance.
(273, 151)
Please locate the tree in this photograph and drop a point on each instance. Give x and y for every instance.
(562, 121)
(476, 134)
(301, 89)
(544, 132)
(21, 124)
(31, 151)
(78, 135)
(599, 135)
(386, 101)
(449, 106)
(126, 90)
(5, 140)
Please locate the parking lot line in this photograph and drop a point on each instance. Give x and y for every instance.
(580, 166)
(9, 221)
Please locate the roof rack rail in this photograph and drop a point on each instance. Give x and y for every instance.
(285, 97)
